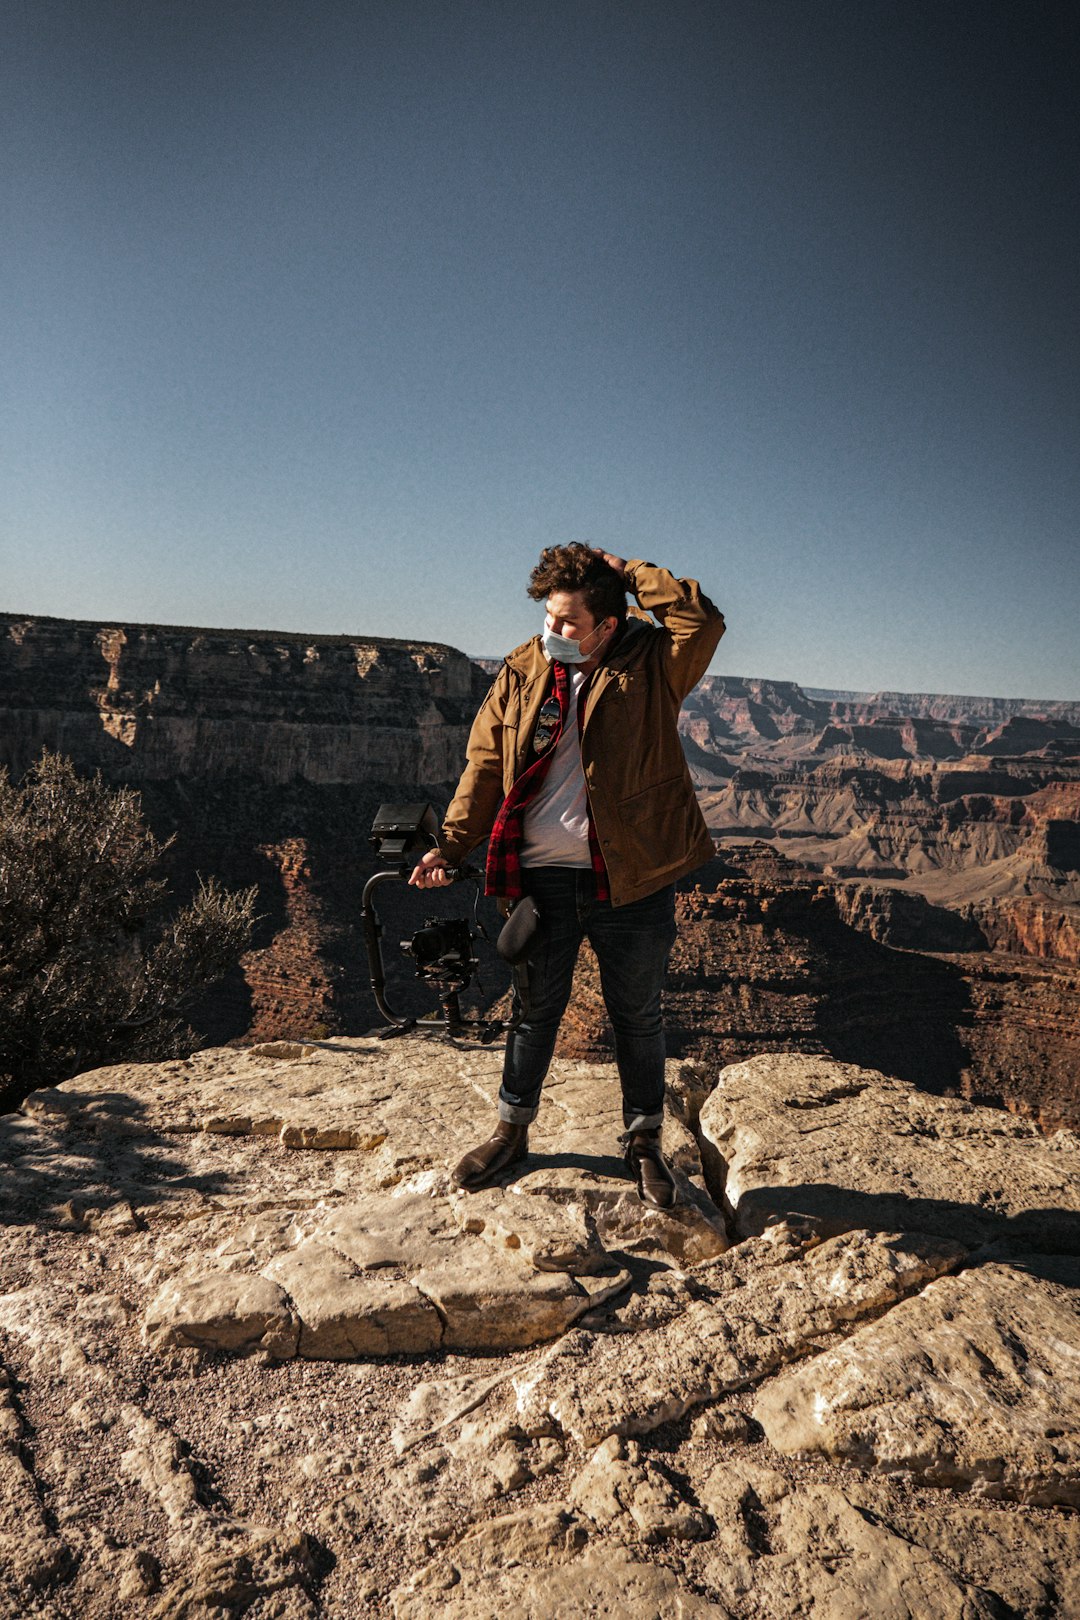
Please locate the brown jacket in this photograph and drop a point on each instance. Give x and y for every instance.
(641, 797)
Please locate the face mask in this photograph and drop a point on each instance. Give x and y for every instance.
(563, 650)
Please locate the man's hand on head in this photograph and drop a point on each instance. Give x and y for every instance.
(430, 871)
(618, 563)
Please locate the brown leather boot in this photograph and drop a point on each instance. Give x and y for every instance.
(508, 1146)
(655, 1182)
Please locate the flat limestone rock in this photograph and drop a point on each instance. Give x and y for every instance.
(576, 1161)
(404, 1232)
(406, 1105)
(364, 1283)
(548, 1535)
(569, 1219)
(489, 1301)
(550, 1236)
(735, 1489)
(222, 1310)
(620, 1490)
(345, 1315)
(867, 1548)
(292, 1168)
(483, 1295)
(757, 1307)
(539, 1562)
(974, 1382)
(691, 1232)
(1032, 1563)
(307, 1091)
(401, 1106)
(436, 1403)
(238, 1165)
(789, 1136)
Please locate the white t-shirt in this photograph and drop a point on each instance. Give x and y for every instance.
(556, 829)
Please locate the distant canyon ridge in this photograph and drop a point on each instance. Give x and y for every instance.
(897, 878)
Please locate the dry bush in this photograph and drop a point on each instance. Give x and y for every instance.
(86, 978)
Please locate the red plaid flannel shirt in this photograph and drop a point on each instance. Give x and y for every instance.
(503, 873)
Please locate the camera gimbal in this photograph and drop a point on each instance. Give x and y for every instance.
(443, 948)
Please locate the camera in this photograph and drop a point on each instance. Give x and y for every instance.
(442, 951)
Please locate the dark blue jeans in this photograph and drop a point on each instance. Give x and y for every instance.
(632, 945)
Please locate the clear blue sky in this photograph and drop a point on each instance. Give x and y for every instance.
(326, 317)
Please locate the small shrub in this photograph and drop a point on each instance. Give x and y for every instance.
(86, 977)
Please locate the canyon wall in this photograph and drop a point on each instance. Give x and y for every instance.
(992, 711)
(153, 703)
(753, 711)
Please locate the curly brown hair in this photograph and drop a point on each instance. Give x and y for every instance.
(577, 567)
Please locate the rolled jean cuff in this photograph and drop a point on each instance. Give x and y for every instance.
(643, 1122)
(514, 1114)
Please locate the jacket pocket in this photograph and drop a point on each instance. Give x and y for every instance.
(654, 833)
(661, 799)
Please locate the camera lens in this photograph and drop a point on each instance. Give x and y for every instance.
(432, 942)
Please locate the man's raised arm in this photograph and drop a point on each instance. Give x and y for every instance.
(693, 624)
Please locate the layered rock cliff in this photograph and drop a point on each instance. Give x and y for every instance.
(756, 711)
(949, 707)
(970, 802)
(148, 703)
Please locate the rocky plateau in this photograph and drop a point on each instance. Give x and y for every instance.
(258, 1357)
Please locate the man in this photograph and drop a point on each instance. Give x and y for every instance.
(576, 771)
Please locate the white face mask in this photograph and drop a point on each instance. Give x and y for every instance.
(563, 650)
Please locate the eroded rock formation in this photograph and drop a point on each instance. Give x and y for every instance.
(259, 1356)
(967, 801)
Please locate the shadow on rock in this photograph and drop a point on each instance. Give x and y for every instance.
(832, 1210)
(61, 1159)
